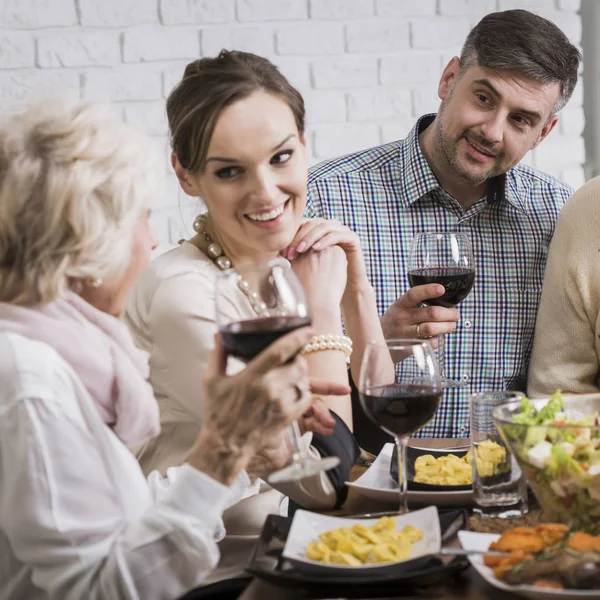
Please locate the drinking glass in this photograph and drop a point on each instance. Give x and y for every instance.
(499, 485)
(400, 390)
(275, 304)
(447, 259)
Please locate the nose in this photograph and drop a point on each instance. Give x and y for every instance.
(493, 128)
(264, 185)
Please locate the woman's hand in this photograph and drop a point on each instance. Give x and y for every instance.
(246, 411)
(319, 234)
(323, 275)
(277, 453)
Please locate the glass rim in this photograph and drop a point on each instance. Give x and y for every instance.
(431, 233)
(393, 343)
(515, 395)
(509, 421)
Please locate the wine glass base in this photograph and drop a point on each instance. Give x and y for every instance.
(303, 469)
(452, 383)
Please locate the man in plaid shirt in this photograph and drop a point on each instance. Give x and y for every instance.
(458, 171)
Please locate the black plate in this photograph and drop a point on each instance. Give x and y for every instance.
(267, 563)
(411, 456)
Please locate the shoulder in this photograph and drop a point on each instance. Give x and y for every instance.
(32, 369)
(357, 163)
(539, 185)
(582, 211)
(177, 277)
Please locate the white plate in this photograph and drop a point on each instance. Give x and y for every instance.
(481, 541)
(377, 483)
(307, 526)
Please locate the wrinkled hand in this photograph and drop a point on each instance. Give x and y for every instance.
(402, 318)
(320, 234)
(277, 452)
(250, 408)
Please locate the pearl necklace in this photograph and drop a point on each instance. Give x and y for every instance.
(218, 256)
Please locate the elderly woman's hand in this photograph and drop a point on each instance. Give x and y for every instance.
(246, 411)
(277, 452)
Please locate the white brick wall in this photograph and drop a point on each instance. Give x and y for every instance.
(367, 68)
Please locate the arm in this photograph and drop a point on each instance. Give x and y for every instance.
(565, 346)
(80, 514)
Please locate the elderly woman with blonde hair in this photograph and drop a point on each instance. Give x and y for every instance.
(77, 517)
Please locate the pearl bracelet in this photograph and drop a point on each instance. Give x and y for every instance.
(328, 342)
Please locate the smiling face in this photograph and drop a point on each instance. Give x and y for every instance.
(254, 178)
(488, 120)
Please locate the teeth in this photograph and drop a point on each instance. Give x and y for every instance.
(267, 216)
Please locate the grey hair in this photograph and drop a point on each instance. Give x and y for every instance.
(518, 40)
(74, 180)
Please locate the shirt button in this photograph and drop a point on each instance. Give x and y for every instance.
(467, 324)
(465, 378)
(464, 429)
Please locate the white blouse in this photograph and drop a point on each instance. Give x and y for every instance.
(77, 517)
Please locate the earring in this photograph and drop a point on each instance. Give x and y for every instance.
(95, 283)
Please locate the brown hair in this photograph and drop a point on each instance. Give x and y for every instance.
(211, 84)
(518, 40)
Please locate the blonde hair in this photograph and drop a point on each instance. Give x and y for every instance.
(74, 180)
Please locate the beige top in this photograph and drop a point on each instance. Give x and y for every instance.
(566, 347)
(171, 314)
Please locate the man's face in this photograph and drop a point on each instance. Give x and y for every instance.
(488, 120)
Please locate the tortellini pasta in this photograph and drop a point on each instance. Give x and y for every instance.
(359, 544)
(452, 470)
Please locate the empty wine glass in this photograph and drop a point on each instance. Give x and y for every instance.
(447, 259)
(255, 305)
(400, 391)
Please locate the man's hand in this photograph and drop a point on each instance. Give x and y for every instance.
(407, 318)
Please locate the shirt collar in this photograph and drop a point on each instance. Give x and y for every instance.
(417, 178)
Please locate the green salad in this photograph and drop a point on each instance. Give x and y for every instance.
(560, 450)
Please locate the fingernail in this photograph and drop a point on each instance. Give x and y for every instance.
(301, 246)
(291, 254)
(317, 245)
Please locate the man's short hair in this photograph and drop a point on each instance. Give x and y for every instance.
(518, 40)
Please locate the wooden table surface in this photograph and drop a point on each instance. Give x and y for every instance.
(467, 585)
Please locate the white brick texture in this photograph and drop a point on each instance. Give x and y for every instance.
(367, 68)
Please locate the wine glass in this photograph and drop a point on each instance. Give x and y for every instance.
(273, 303)
(400, 390)
(444, 258)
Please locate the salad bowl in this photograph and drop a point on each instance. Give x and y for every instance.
(556, 442)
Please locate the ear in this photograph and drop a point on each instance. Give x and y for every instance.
(186, 181)
(546, 129)
(302, 138)
(448, 78)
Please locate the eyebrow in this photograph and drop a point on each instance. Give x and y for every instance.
(235, 160)
(486, 82)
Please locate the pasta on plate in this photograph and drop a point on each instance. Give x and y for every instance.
(359, 544)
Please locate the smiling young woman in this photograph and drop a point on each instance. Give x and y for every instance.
(237, 133)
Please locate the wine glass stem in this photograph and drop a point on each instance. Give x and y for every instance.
(401, 443)
(298, 453)
(442, 356)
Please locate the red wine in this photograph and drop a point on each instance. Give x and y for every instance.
(246, 339)
(401, 409)
(457, 281)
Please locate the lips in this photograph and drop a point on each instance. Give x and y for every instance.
(480, 149)
(267, 215)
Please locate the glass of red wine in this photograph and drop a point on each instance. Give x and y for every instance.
(255, 305)
(447, 259)
(400, 390)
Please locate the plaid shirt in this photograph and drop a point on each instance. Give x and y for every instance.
(389, 193)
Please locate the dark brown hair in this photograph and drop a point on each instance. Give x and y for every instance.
(518, 40)
(211, 84)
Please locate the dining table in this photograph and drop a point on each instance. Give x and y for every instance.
(465, 585)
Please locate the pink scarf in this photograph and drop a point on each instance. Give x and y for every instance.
(101, 351)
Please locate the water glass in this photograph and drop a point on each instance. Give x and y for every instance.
(499, 486)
